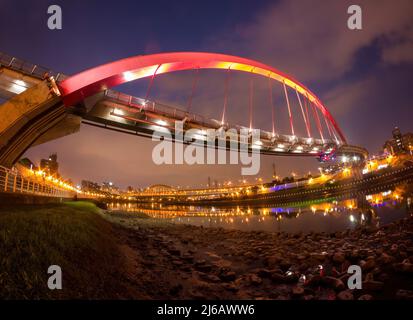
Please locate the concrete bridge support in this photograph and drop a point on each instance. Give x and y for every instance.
(35, 116)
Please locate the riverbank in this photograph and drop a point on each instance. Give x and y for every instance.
(71, 235)
(117, 255)
(214, 263)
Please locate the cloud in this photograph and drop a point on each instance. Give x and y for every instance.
(398, 48)
(310, 39)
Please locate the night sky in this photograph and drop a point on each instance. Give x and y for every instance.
(364, 77)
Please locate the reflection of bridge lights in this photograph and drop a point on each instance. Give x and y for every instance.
(352, 219)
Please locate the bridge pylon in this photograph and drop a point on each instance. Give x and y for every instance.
(27, 117)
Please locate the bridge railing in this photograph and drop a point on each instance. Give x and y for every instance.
(11, 180)
(28, 67)
(159, 108)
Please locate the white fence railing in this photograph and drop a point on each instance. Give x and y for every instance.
(11, 180)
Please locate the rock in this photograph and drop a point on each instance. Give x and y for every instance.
(285, 264)
(368, 264)
(385, 259)
(200, 261)
(230, 287)
(372, 285)
(255, 280)
(404, 266)
(333, 282)
(301, 257)
(177, 263)
(365, 297)
(278, 277)
(202, 265)
(175, 289)
(174, 251)
(188, 257)
(263, 273)
(318, 256)
(210, 277)
(152, 253)
(272, 261)
(297, 292)
(354, 255)
(339, 257)
(228, 276)
(313, 281)
(345, 295)
(404, 294)
(196, 295)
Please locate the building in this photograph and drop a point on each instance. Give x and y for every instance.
(26, 162)
(89, 186)
(400, 143)
(50, 165)
(110, 188)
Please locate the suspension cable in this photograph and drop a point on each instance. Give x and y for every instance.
(306, 111)
(272, 104)
(194, 84)
(328, 126)
(302, 112)
(320, 129)
(251, 101)
(289, 109)
(151, 82)
(226, 96)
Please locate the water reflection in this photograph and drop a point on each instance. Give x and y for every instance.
(318, 217)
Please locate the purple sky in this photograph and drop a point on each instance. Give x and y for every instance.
(363, 76)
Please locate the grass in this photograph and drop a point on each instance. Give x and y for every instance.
(70, 235)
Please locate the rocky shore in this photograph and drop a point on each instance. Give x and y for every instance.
(169, 261)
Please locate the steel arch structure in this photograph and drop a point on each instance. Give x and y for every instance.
(92, 81)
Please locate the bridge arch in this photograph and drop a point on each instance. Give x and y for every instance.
(89, 82)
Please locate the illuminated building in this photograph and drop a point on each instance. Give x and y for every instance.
(401, 143)
(50, 165)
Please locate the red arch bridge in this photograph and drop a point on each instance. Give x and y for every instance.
(42, 105)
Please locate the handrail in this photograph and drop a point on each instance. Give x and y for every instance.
(13, 181)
